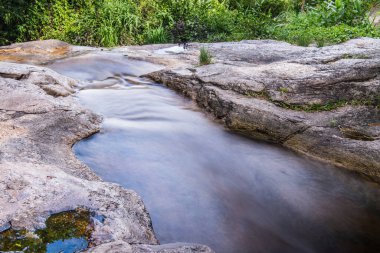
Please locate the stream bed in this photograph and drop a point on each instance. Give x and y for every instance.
(204, 184)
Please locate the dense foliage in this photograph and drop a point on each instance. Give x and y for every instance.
(121, 22)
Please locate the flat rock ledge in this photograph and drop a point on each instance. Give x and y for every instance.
(322, 102)
(40, 175)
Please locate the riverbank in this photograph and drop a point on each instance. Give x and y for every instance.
(322, 102)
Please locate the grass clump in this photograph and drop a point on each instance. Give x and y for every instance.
(284, 90)
(302, 39)
(205, 57)
(156, 35)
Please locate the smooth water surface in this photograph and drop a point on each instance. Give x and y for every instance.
(203, 184)
(67, 246)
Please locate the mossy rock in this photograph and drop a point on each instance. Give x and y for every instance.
(59, 227)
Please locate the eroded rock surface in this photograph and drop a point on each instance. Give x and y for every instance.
(35, 52)
(40, 52)
(39, 174)
(51, 82)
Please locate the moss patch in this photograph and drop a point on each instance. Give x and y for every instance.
(258, 94)
(59, 227)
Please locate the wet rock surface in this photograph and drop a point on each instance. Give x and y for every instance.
(39, 52)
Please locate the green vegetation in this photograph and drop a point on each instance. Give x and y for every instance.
(62, 226)
(334, 123)
(284, 90)
(205, 57)
(327, 22)
(121, 22)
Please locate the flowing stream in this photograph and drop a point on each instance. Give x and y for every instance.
(204, 184)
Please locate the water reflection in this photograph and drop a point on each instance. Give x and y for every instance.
(203, 184)
(67, 246)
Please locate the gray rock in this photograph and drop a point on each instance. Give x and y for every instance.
(296, 75)
(51, 82)
(39, 175)
(4, 227)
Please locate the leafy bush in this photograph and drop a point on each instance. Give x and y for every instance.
(49, 20)
(327, 23)
(303, 39)
(120, 22)
(349, 12)
(274, 7)
(112, 23)
(12, 14)
(155, 36)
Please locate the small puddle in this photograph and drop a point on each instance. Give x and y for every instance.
(65, 232)
(203, 184)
